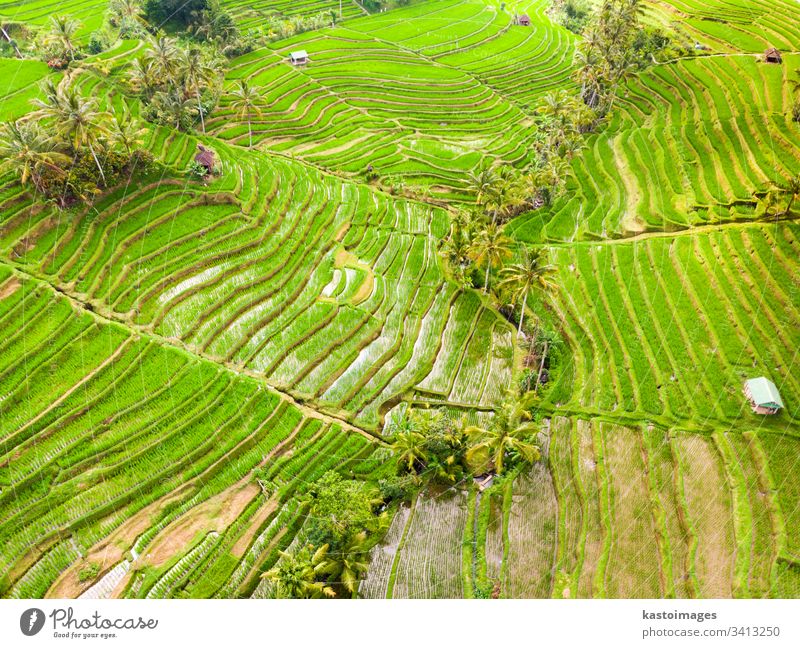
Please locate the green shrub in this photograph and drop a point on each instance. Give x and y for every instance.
(98, 42)
(396, 488)
(341, 508)
(89, 573)
(196, 170)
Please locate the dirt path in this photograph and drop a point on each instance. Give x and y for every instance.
(9, 287)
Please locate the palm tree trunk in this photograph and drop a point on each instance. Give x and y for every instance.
(200, 110)
(250, 128)
(541, 365)
(97, 162)
(522, 314)
(792, 197)
(486, 281)
(11, 42)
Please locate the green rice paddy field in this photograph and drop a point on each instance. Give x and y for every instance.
(162, 344)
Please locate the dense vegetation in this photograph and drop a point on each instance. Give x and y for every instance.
(460, 308)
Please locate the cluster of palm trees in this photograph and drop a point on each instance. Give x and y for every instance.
(333, 543)
(477, 242)
(433, 447)
(46, 147)
(178, 84)
(476, 237)
(503, 192)
(207, 22)
(606, 56)
(429, 446)
(277, 27)
(318, 572)
(127, 17)
(59, 45)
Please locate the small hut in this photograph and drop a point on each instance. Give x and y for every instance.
(205, 157)
(299, 57)
(763, 395)
(524, 20)
(772, 55)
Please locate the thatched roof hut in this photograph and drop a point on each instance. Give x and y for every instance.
(205, 157)
(772, 55)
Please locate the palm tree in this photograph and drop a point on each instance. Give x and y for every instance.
(75, 117)
(409, 448)
(50, 91)
(181, 111)
(245, 103)
(143, 77)
(456, 248)
(62, 33)
(519, 279)
(791, 187)
(550, 177)
(509, 432)
(513, 196)
(623, 72)
(197, 74)
(571, 146)
(162, 55)
(126, 132)
(10, 41)
(296, 575)
(796, 91)
(347, 565)
(484, 184)
(127, 9)
(557, 106)
(26, 150)
(491, 247)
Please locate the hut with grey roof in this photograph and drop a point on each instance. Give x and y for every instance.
(763, 395)
(300, 57)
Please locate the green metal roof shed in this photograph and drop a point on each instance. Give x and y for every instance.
(763, 393)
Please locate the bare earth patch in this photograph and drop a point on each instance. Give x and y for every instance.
(215, 514)
(108, 552)
(258, 519)
(9, 287)
(709, 506)
(531, 535)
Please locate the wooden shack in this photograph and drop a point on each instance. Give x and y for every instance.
(772, 55)
(205, 157)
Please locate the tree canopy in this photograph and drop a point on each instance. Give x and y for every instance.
(341, 509)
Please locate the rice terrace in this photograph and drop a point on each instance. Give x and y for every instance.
(400, 299)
